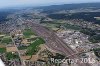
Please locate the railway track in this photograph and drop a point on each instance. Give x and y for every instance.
(54, 42)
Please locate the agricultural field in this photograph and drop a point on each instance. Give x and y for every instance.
(34, 46)
(49, 24)
(6, 40)
(11, 56)
(2, 50)
(52, 26)
(28, 33)
(30, 42)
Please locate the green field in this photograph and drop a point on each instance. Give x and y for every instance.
(2, 50)
(33, 48)
(74, 27)
(28, 33)
(6, 40)
(11, 56)
(22, 47)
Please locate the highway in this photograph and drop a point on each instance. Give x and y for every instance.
(54, 42)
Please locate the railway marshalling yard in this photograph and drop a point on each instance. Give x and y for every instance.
(37, 44)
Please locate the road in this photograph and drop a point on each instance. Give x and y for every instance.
(17, 51)
(54, 42)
